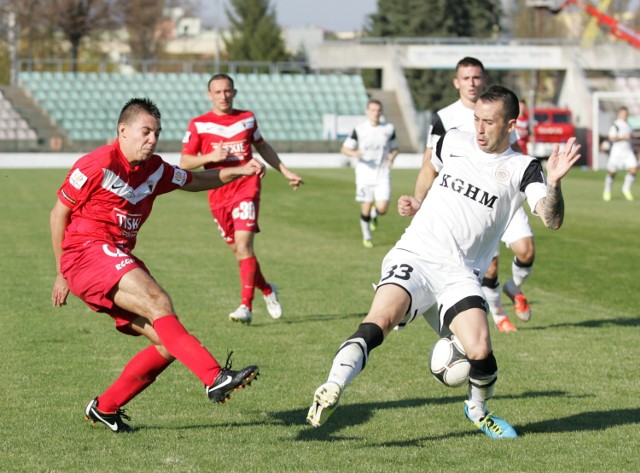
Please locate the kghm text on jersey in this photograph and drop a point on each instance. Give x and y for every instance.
(468, 190)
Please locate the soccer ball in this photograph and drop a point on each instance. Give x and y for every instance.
(449, 364)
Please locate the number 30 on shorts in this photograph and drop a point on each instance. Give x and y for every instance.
(245, 211)
(402, 271)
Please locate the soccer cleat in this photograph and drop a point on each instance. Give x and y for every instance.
(273, 304)
(113, 420)
(494, 427)
(367, 243)
(325, 401)
(373, 224)
(606, 196)
(241, 314)
(521, 307)
(627, 195)
(229, 381)
(505, 325)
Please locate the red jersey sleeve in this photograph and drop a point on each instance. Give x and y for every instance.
(191, 143)
(83, 178)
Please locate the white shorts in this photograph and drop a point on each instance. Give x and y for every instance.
(621, 161)
(373, 192)
(428, 283)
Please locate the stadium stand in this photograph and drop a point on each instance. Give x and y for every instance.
(289, 107)
(12, 126)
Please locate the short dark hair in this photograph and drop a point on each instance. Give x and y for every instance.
(220, 76)
(375, 101)
(469, 61)
(498, 93)
(135, 106)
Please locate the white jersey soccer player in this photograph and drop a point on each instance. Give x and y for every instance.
(374, 144)
(621, 156)
(460, 117)
(479, 182)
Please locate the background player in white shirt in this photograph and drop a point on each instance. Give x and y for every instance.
(470, 80)
(436, 267)
(621, 156)
(373, 143)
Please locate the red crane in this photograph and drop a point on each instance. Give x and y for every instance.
(617, 28)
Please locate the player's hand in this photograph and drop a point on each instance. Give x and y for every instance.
(295, 181)
(408, 205)
(253, 168)
(220, 153)
(60, 291)
(559, 163)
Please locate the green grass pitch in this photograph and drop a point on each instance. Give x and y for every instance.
(568, 379)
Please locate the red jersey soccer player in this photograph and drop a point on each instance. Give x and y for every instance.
(219, 139)
(103, 202)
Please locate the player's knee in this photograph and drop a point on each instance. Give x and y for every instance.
(483, 372)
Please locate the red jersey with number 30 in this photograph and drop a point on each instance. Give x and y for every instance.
(110, 199)
(236, 131)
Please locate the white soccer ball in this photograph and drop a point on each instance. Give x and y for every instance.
(449, 364)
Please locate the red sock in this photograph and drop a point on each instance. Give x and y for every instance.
(186, 348)
(250, 278)
(139, 373)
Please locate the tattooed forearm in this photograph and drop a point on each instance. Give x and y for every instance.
(554, 207)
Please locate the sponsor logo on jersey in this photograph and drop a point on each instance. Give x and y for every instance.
(128, 223)
(468, 190)
(77, 179)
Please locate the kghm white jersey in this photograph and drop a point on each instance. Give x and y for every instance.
(471, 202)
(452, 116)
(375, 143)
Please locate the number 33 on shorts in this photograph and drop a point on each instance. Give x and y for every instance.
(402, 271)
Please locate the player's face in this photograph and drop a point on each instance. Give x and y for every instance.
(492, 130)
(374, 112)
(139, 138)
(221, 94)
(469, 81)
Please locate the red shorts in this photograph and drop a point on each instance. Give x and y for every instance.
(92, 270)
(241, 216)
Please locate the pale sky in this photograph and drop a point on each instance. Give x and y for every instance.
(333, 15)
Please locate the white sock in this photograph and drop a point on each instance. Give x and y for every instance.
(374, 212)
(520, 274)
(492, 295)
(347, 364)
(366, 231)
(628, 181)
(608, 182)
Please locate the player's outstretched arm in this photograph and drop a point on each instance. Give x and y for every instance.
(214, 178)
(551, 208)
(271, 157)
(408, 206)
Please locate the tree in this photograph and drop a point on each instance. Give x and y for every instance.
(435, 19)
(255, 34)
(143, 20)
(81, 18)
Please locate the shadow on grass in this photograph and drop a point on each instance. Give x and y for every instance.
(598, 323)
(584, 421)
(356, 414)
